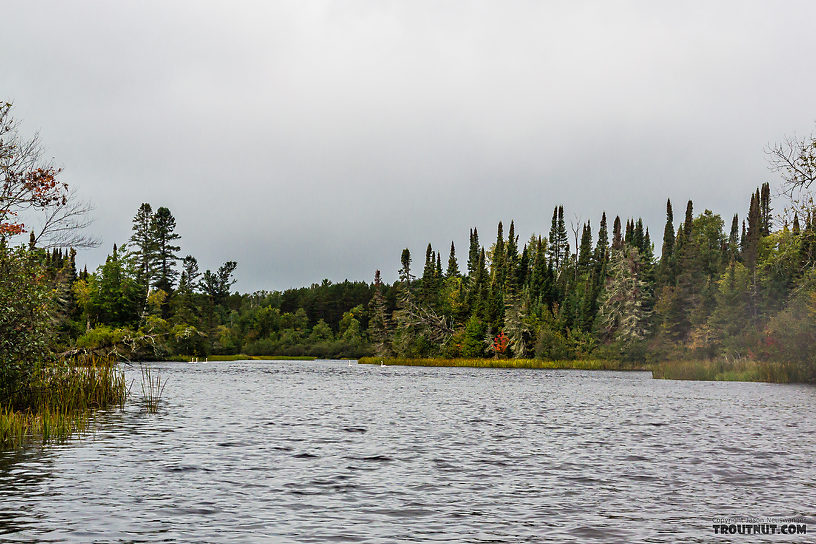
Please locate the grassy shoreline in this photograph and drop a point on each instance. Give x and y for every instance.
(241, 357)
(61, 401)
(743, 370)
(578, 364)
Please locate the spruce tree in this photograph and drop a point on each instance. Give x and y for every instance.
(585, 250)
(617, 238)
(765, 210)
(473, 252)
(667, 251)
(497, 264)
(753, 233)
(733, 239)
(602, 247)
(559, 241)
(379, 324)
(511, 258)
(629, 235)
(687, 224)
(453, 264)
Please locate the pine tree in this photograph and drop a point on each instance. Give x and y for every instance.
(753, 233)
(733, 239)
(473, 252)
(379, 324)
(163, 232)
(622, 316)
(523, 269)
(687, 224)
(765, 210)
(143, 243)
(602, 247)
(453, 264)
(497, 264)
(558, 244)
(617, 238)
(667, 251)
(585, 251)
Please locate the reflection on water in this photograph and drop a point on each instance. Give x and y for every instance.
(316, 451)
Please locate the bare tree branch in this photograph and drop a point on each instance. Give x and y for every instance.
(795, 160)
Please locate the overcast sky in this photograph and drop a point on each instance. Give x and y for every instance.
(310, 140)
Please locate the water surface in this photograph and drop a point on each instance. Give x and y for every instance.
(293, 451)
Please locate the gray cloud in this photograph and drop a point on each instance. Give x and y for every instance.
(317, 139)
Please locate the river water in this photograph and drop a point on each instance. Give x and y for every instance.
(288, 451)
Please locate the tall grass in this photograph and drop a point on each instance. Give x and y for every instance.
(744, 370)
(152, 389)
(581, 364)
(60, 400)
(243, 357)
(735, 370)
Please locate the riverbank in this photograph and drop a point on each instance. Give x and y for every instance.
(739, 370)
(582, 364)
(241, 357)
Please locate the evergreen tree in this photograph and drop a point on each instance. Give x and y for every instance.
(622, 316)
(379, 325)
(617, 238)
(687, 224)
(163, 233)
(143, 243)
(668, 235)
(753, 233)
(733, 239)
(602, 247)
(497, 263)
(453, 265)
(585, 249)
(766, 219)
(558, 243)
(512, 250)
(473, 252)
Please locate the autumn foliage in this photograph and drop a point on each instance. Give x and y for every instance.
(26, 183)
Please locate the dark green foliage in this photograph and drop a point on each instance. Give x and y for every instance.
(25, 322)
(453, 264)
(164, 236)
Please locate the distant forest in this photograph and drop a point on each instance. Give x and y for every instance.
(742, 288)
(748, 290)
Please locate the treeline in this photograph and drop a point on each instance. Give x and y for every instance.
(148, 302)
(746, 291)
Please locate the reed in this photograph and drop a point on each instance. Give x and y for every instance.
(60, 400)
(152, 389)
(735, 370)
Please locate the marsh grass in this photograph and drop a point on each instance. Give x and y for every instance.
(243, 357)
(741, 370)
(732, 370)
(152, 389)
(588, 364)
(61, 400)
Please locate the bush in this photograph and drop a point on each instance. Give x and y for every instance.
(25, 322)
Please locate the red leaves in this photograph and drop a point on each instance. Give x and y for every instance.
(500, 344)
